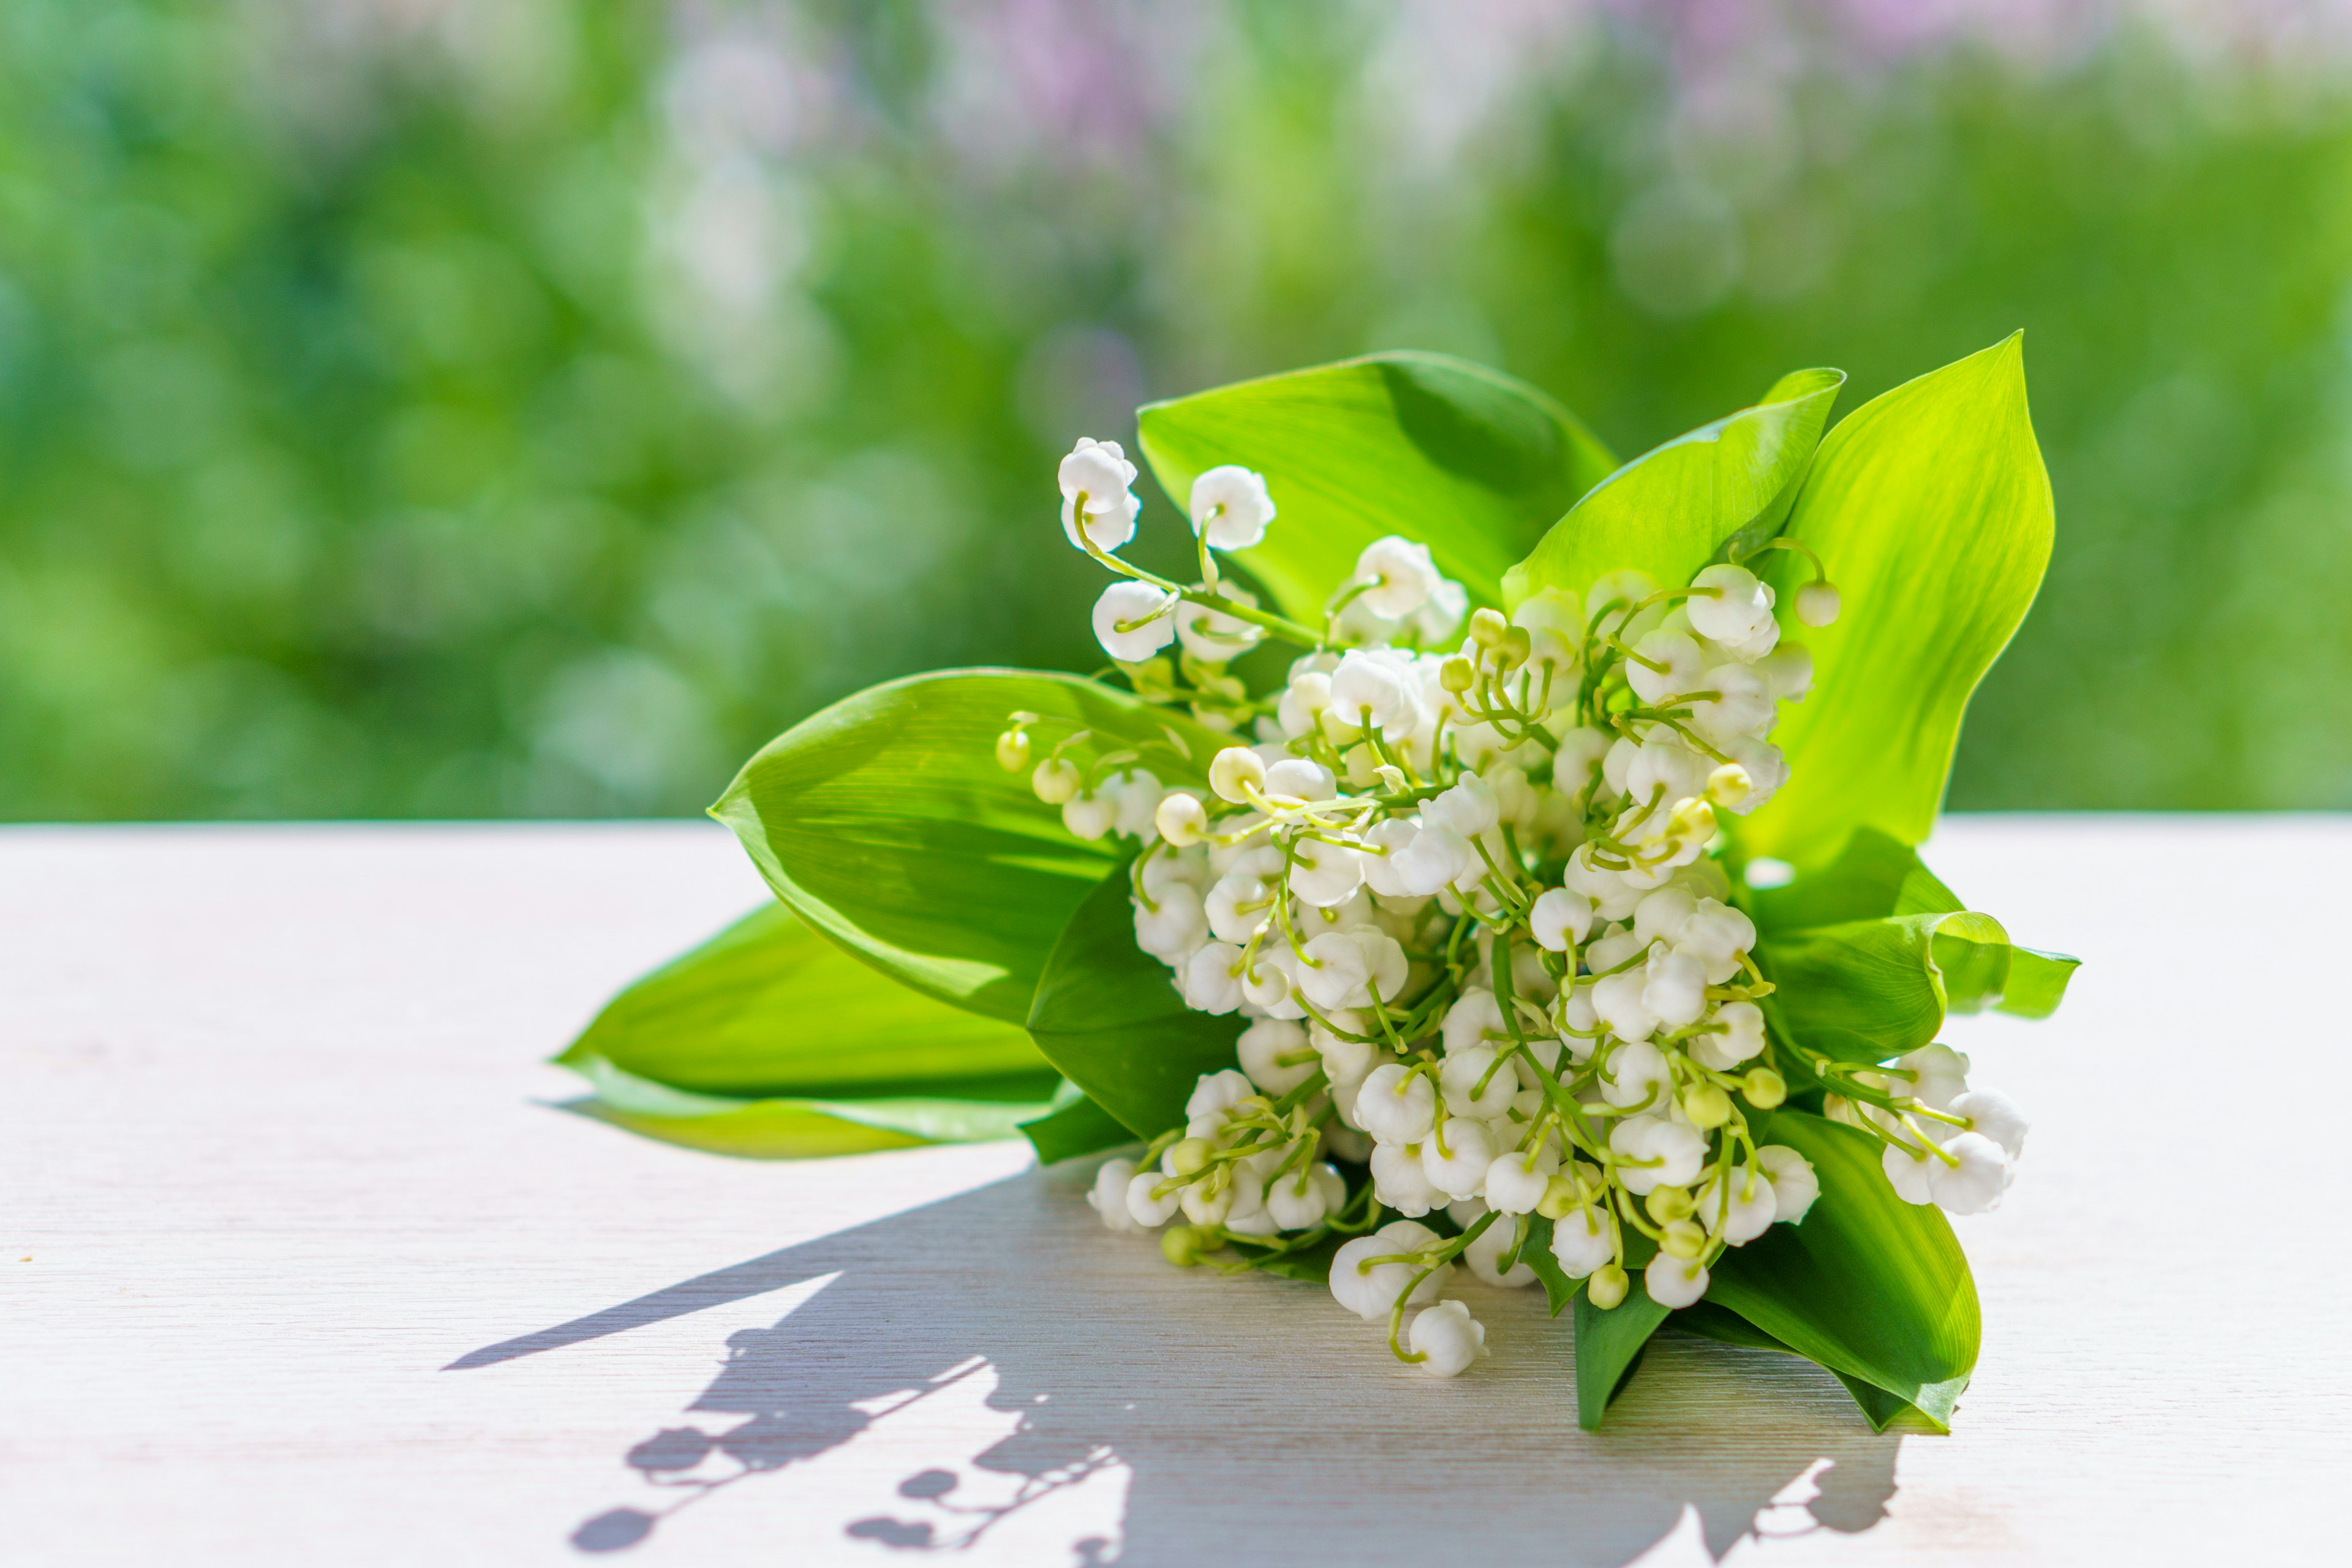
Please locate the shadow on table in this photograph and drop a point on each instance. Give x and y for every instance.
(1244, 1420)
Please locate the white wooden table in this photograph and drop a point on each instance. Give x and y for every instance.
(303, 1267)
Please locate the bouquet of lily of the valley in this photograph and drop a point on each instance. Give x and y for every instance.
(1515, 877)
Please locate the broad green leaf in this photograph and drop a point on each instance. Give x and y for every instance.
(2037, 982)
(1931, 510)
(1867, 1285)
(1609, 1347)
(1673, 509)
(1107, 1015)
(1871, 990)
(1710, 1321)
(782, 1127)
(1465, 459)
(1874, 877)
(1078, 1127)
(1558, 1288)
(769, 1006)
(886, 822)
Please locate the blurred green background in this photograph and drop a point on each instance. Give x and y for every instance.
(417, 408)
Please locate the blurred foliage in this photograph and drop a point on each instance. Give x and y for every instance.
(524, 407)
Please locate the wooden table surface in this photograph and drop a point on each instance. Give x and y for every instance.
(304, 1266)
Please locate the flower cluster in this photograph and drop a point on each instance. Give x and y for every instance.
(1465, 880)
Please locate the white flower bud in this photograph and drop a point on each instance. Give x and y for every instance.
(1996, 1116)
(1213, 637)
(1516, 1181)
(1435, 860)
(1145, 1205)
(1558, 917)
(1458, 1169)
(1089, 817)
(1581, 1242)
(1212, 979)
(1182, 819)
(1577, 764)
(1132, 622)
(1230, 506)
(1303, 702)
(1976, 1183)
(1448, 1338)
(1397, 1105)
(1487, 1251)
(1263, 1047)
(1636, 1075)
(1176, 929)
(1399, 1182)
(1107, 1196)
(1056, 781)
(1674, 1281)
(1305, 1197)
(1816, 604)
(1740, 607)
(1235, 771)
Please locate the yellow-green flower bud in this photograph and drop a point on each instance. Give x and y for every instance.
(1013, 751)
(1559, 1199)
(1457, 674)
(1512, 649)
(1487, 627)
(1182, 819)
(1764, 1087)
(1183, 1245)
(1730, 784)
(1706, 1105)
(1055, 781)
(1607, 1287)
(1235, 771)
(1683, 1238)
(1667, 1205)
(1190, 1157)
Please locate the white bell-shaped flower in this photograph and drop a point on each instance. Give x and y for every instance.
(1732, 606)
(1663, 768)
(1387, 840)
(1787, 671)
(1323, 874)
(1400, 1181)
(1212, 979)
(1715, 935)
(1238, 907)
(1435, 860)
(1456, 1156)
(1400, 576)
(1147, 1205)
(1274, 1052)
(1439, 622)
(1090, 816)
(1175, 929)
(1670, 665)
(1469, 808)
(1107, 1196)
(1397, 1105)
(1299, 778)
(1618, 998)
(1740, 708)
(1581, 1242)
(1447, 1339)
(1794, 1184)
(1939, 1075)
(1675, 1281)
(1996, 1116)
(1654, 1152)
(1095, 478)
(1637, 1075)
(1487, 1251)
(1474, 1019)
(1661, 915)
(1516, 1181)
(1334, 973)
(1971, 1176)
(1305, 1197)
(1742, 1208)
(1461, 1077)
(1766, 770)
(1214, 1093)
(1576, 765)
(1212, 636)
(1739, 1039)
(1906, 1173)
(1371, 1290)
(1559, 917)
(1368, 688)
(1674, 992)
(1303, 702)
(1135, 795)
(1202, 1206)
(1133, 621)
(1230, 506)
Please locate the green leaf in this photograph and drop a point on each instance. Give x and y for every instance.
(1871, 990)
(1869, 1285)
(1609, 1347)
(1308, 1264)
(1078, 1127)
(1465, 459)
(768, 1006)
(1710, 1321)
(1107, 1014)
(2037, 982)
(1674, 508)
(1558, 1288)
(1874, 877)
(1931, 510)
(886, 822)
(782, 1127)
